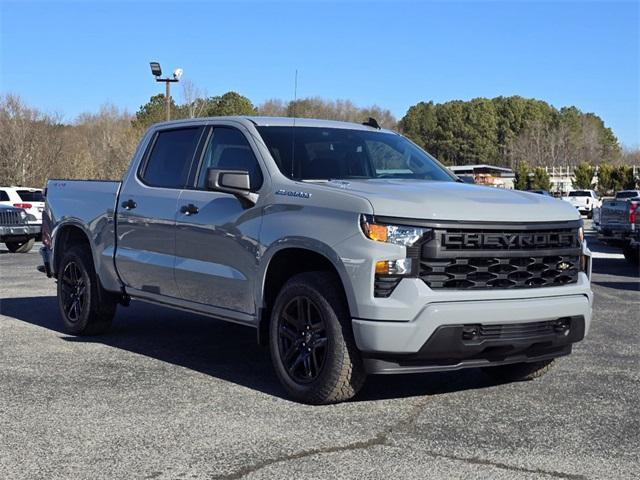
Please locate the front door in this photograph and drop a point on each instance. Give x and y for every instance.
(146, 217)
(216, 234)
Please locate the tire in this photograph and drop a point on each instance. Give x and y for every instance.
(85, 307)
(20, 247)
(517, 372)
(314, 352)
(632, 254)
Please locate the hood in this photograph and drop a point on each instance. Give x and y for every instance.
(430, 200)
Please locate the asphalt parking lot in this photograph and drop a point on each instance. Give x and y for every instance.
(169, 395)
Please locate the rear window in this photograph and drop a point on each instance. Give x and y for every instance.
(627, 194)
(30, 196)
(580, 193)
(170, 158)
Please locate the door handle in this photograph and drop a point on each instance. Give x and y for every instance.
(190, 209)
(129, 205)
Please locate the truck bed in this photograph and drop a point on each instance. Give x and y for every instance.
(89, 205)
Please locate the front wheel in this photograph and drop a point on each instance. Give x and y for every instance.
(312, 346)
(519, 371)
(23, 246)
(86, 308)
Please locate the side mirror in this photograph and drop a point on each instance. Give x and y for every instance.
(236, 182)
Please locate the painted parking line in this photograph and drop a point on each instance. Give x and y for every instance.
(606, 255)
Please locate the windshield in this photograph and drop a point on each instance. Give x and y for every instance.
(340, 153)
(579, 193)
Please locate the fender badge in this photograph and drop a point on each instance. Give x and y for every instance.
(291, 193)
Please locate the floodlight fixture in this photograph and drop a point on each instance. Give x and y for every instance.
(155, 69)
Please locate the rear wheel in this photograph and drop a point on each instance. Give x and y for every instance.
(86, 308)
(23, 246)
(519, 371)
(632, 254)
(312, 346)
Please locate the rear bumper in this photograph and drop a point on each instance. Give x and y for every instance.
(609, 234)
(434, 340)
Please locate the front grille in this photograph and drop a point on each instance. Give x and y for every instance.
(10, 217)
(499, 256)
(492, 272)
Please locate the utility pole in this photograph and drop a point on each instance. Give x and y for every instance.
(157, 72)
(167, 100)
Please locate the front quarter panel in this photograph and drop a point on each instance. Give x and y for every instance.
(316, 222)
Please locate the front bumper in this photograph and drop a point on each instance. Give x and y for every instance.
(28, 231)
(434, 340)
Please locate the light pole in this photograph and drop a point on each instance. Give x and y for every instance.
(157, 72)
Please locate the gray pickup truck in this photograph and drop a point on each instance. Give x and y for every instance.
(350, 250)
(619, 223)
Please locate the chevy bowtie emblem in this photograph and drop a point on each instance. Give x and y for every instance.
(562, 266)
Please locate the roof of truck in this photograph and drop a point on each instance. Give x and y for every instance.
(283, 122)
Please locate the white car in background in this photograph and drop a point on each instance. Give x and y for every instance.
(586, 201)
(28, 199)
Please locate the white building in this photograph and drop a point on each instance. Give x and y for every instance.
(499, 177)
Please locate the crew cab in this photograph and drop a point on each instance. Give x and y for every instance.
(17, 230)
(620, 224)
(350, 251)
(586, 201)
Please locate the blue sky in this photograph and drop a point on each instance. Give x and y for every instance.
(70, 57)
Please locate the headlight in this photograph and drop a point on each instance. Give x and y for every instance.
(397, 234)
(23, 214)
(581, 235)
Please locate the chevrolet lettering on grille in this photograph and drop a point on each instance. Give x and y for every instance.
(462, 240)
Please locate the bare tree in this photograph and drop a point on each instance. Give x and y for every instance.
(194, 99)
(273, 108)
(316, 107)
(29, 139)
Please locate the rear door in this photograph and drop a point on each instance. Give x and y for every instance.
(216, 234)
(147, 212)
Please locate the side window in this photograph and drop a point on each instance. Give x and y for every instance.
(228, 149)
(4, 196)
(170, 159)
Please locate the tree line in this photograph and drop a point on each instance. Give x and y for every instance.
(504, 131)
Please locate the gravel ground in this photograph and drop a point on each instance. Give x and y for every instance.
(170, 395)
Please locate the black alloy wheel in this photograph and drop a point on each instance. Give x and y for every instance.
(74, 291)
(302, 339)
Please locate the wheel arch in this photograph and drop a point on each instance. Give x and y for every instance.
(65, 235)
(286, 260)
